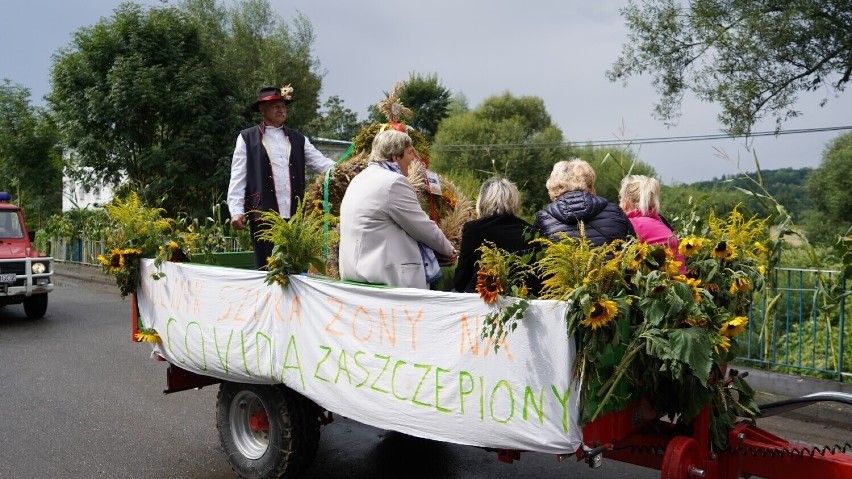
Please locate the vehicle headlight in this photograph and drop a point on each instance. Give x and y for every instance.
(38, 268)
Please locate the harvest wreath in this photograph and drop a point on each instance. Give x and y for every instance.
(443, 201)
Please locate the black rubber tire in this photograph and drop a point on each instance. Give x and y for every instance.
(292, 440)
(35, 306)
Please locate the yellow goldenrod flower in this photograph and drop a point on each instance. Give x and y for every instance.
(759, 246)
(602, 313)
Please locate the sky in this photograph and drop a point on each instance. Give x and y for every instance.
(556, 50)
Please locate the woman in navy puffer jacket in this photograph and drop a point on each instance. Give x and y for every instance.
(571, 187)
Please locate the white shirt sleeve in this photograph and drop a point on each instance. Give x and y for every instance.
(237, 185)
(315, 160)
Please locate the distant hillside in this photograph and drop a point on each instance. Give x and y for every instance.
(786, 185)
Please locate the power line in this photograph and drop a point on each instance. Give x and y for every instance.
(636, 141)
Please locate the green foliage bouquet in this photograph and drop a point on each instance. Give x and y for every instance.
(647, 325)
(298, 242)
(134, 231)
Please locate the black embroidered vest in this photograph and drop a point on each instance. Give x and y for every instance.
(260, 186)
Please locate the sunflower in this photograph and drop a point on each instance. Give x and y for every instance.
(693, 283)
(132, 252)
(740, 285)
(488, 286)
(601, 313)
(721, 343)
(690, 246)
(638, 257)
(673, 267)
(660, 255)
(115, 261)
(724, 251)
(697, 322)
(147, 335)
(173, 245)
(733, 327)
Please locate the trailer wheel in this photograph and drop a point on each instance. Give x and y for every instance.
(266, 431)
(35, 306)
(682, 459)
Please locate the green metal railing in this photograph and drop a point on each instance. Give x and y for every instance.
(799, 325)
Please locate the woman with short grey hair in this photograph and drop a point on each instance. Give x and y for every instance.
(388, 145)
(498, 196)
(497, 208)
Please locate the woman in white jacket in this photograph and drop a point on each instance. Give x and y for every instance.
(385, 236)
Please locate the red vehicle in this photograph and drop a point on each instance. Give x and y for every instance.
(25, 274)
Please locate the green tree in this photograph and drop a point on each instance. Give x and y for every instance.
(515, 137)
(458, 105)
(335, 121)
(829, 186)
(139, 95)
(30, 157)
(256, 47)
(155, 97)
(751, 57)
(427, 99)
(512, 136)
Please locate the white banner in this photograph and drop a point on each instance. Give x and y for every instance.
(400, 359)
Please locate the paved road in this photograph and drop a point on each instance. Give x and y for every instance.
(79, 400)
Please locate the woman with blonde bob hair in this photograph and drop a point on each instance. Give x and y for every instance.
(497, 208)
(576, 207)
(640, 199)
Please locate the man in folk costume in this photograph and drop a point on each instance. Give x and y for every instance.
(268, 168)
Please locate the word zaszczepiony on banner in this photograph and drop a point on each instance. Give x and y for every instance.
(400, 359)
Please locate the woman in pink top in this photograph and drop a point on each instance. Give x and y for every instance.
(640, 199)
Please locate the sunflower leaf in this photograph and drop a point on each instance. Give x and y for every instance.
(693, 347)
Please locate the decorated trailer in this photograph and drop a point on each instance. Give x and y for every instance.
(288, 358)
